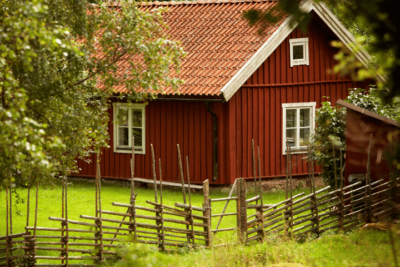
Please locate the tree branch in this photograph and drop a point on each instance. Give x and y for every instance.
(3, 98)
(39, 114)
(97, 72)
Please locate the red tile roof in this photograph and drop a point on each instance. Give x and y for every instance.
(217, 40)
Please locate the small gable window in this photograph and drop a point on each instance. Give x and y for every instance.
(129, 121)
(298, 52)
(298, 124)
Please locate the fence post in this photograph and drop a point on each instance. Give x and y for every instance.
(340, 208)
(242, 210)
(314, 211)
(132, 200)
(161, 214)
(99, 221)
(8, 242)
(341, 195)
(207, 212)
(260, 218)
(261, 210)
(368, 203)
(132, 211)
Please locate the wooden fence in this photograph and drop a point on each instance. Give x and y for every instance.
(184, 225)
(342, 208)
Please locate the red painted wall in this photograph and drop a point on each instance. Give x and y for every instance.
(168, 123)
(255, 111)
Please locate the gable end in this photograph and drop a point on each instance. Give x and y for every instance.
(281, 34)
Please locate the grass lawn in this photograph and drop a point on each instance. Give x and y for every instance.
(357, 248)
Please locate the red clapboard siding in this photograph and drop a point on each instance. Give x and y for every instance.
(169, 123)
(258, 104)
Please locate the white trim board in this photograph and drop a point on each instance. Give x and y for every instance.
(281, 34)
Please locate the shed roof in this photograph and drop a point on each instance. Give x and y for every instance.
(367, 113)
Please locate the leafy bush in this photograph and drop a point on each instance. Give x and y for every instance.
(331, 126)
(370, 100)
(330, 129)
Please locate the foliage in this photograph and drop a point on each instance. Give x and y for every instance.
(329, 136)
(371, 101)
(57, 73)
(262, 20)
(356, 27)
(331, 126)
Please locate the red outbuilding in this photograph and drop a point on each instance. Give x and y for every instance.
(238, 86)
(363, 127)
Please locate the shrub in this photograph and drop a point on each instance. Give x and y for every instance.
(330, 129)
(370, 100)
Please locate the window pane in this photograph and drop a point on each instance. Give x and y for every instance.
(122, 116)
(137, 118)
(304, 136)
(137, 134)
(304, 117)
(298, 52)
(291, 118)
(291, 137)
(123, 136)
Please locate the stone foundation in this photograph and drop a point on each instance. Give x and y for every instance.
(280, 184)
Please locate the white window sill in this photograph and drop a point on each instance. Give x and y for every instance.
(296, 151)
(300, 63)
(129, 151)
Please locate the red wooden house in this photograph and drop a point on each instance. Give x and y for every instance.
(239, 86)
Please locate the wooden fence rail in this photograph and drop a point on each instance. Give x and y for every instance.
(93, 238)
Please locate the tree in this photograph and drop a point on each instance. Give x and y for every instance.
(58, 65)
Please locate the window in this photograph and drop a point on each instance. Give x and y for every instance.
(298, 52)
(129, 121)
(298, 124)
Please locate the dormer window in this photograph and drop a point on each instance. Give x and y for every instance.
(298, 52)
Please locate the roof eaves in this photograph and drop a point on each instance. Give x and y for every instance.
(258, 58)
(344, 35)
(367, 112)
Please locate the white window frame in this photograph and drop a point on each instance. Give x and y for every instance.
(305, 60)
(297, 149)
(130, 106)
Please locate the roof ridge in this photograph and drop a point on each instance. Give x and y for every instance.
(173, 3)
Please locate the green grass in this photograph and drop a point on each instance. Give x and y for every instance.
(358, 248)
(355, 248)
(81, 201)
